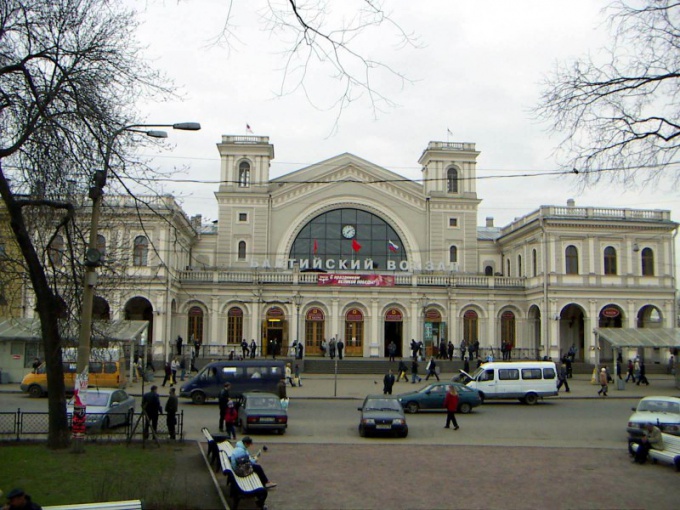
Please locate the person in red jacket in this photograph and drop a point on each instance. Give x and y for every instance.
(451, 405)
(230, 419)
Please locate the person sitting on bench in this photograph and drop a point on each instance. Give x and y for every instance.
(651, 439)
(241, 450)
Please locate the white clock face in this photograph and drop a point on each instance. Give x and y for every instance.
(348, 231)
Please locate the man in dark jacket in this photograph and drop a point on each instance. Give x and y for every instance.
(171, 407)
(17, 499)
(388, 382)
(223, 401)
(151, 405)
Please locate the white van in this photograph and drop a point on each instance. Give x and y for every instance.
(523, 380)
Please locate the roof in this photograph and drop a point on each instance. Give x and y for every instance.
(488, 233)
(640, 337)
(29, 329)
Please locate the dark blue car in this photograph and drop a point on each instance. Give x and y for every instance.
(382, 414)
(432, 397)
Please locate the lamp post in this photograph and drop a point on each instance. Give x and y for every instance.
(423, 306)
(297, 299)
(93, 260)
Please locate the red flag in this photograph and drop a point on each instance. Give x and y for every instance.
(316, 246)
(355, 245)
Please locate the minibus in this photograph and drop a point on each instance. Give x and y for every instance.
(526, 381)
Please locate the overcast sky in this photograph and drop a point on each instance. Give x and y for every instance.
(477, 72)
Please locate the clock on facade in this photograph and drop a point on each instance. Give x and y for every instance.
(348, 231)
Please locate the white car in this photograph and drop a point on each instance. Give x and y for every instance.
(664, 412)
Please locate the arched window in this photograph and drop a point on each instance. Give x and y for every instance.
(534, 263)
(452, 180)
(470, 325)
(647, 262)
(195, 329)
(101, 245)
(571, 260)
(519, 265)
(234, 325)
(453, 254)
(56, 251)
(242, 250)
(244, 174)
(488, 271)
(508, 327)
(140, 253)
(609, 260)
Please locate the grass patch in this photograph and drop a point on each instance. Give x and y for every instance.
(105, 472)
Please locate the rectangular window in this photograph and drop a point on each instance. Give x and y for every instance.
(453, 222)
(531, 373)
(508, 374)
(242, 217)
(549, 373)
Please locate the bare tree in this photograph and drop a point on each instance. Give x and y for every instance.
(620, 112)
(69, 76)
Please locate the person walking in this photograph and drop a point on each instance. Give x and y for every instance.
(388, 383)
(463, 348)
(171, 407)
(230, 419)
(451, 406)
(244, 348)
(289, 374)
(174, 367)
(168, 373)
(475, 349)
(414, 372)
(402, 371)
(296, 375)
(341, 346)
(222, 400)
(449, 350)
(151, 405)
(253, 348)
(179, 343)
(331, 348)
(643, 375)
(604, 382)
(562, 377)
(630, 374)
(431, 369)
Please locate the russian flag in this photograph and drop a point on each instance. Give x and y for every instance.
(393, 247)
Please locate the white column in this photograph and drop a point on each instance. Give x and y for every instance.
(213, 334)
(373, 348)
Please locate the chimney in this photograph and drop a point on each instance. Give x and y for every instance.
(196, 222)
(489, 221)
(571, 203)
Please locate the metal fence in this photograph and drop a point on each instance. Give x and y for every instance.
(22, 425)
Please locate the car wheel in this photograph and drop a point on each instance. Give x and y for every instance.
(530, 398)
(464, 408)
(404, 434)
(35, 391)
(412, 407)
(106, 423)
(198, 397)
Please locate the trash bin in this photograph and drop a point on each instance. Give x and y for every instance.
(620, 384)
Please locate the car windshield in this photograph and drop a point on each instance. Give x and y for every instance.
(382, 404)
(659, 406)
(263, 403)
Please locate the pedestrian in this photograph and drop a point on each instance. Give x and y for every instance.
(341, 346)
(151, 406)
(168, 373)
(324, 348)
(421, 350)
(179, 343)
(289, 374)
(296, 375)
(230, 419)
(402, 371)
(651, 439)
(562, 377)
(451, 406)
(630, 374)
(449, 350)
(222, 400)
(414, 372)
(463, 348)
(281, 389)
(636, 369)
(197, 347)
(442, 350)
(643, 374)
(508, 350)
(391, 350)
(171, 407)
(475, 348)
(174, 367)
(253, 348)
(414, 348)
(466, 365)
(244, 348)
(331, 348)
(299, 350)
(388, 383)
(17, 499)
(36, 365)
(241, 451)
(566, 360)
(431, 369)
(604, 382)
(182, 368)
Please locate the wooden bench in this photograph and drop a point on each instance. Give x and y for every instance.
(670, 453)
(134, 504)
(213, 452)
(240, 486)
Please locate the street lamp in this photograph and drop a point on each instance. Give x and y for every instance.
(423, 305)
(93, 257)
(297, 299)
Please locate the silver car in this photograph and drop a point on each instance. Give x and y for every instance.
(106, 408)
(664, 412)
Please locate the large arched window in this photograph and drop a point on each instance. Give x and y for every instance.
(242, 250)
(234, 325)
(470, 326)
(610, 260)
(453, 254)
(56, 251)
(452, 180)
(346, 235)
(244, 174)
(195, 328)
(101, 245)
(140, 255)
(571, 260)
(647, 262)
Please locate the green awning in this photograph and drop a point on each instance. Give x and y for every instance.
(640, 337)
(29, 330)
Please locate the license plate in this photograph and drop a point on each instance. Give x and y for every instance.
(383, 426)
(266, 420)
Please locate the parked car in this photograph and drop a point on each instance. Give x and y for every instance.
(664, 412)
(432, 397)
(106, 408)
(262, 411)
(382, 414)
